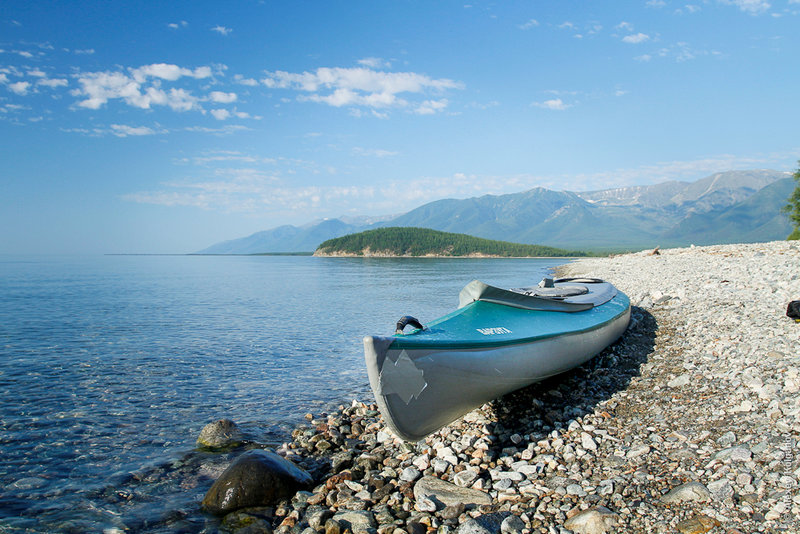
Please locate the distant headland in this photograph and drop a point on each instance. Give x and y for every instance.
(395, 242)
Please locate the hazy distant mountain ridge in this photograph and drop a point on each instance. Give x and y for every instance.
(727, 207)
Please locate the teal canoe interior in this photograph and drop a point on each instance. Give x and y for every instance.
(487, 324)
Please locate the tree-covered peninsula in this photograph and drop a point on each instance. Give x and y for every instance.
(416, 242)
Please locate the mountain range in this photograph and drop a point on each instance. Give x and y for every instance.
(726, 207)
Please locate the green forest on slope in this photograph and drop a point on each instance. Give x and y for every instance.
(409, 241)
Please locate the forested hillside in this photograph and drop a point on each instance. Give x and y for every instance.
(409, 241)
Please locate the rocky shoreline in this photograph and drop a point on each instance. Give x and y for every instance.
(689, 423)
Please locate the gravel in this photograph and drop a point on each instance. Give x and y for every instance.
(689, 423)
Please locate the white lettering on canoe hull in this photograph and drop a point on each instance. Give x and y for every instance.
(494, 330)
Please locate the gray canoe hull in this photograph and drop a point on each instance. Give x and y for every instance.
(421, 390)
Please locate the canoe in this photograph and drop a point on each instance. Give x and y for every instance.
(497, 341)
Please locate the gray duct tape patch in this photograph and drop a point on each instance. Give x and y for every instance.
(402, 377)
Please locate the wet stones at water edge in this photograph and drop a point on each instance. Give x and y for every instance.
(221, 434)
(257, 478)
(689, 424)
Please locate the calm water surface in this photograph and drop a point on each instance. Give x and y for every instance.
(110, 366)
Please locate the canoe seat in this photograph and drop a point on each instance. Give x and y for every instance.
(559, 292)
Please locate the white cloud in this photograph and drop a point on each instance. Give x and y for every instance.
(429, 107)
(222, 98)
(657, 4)
(250, 189)
(753, 7)
(636, 38)
(52, 83)
(87, 51)
(220, 114)
(168, 72)
(626, 26)
(680, 52)
(225, 130)
(238, 78)
(532, 23)
(555, 104)
(374, 63)
(100, 87)
(361, 87)
(121, 130)
(373, 152)
(222, 30)
(20, 88)
(177, 25)
(252, 193)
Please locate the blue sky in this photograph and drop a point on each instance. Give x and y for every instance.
(161, 127)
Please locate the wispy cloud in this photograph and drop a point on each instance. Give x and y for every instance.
(226, 156)
(429, 107)
(374, 63)
(225, 114)
(177, 25)
(224, 130)
(752, 7)
(363, 88)
(52, 83)
(636, 38)
(250, 82)
(555, 104)
(118, 130)
(373, 152)
(531, 23)
(122, 130)
(222, 30)
(253, 188)
(681, 52)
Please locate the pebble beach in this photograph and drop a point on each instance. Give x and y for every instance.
(689, 423)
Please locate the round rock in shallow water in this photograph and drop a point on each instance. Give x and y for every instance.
(256, 478)
(220, 434)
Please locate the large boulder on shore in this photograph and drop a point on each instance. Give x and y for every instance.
(256, 478)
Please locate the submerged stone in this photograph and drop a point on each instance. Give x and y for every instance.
(222, 433)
